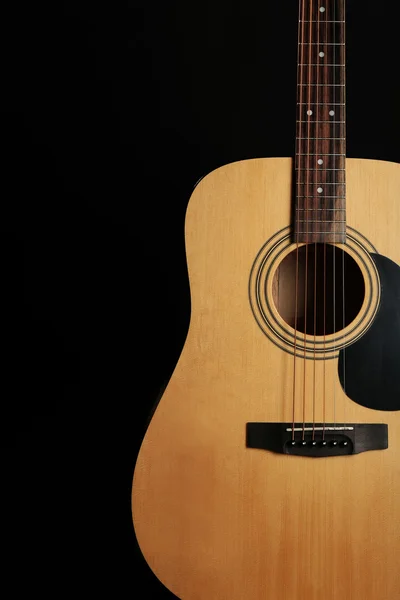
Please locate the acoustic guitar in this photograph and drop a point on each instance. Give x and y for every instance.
(270, 469)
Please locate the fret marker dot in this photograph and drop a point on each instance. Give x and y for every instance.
(322, 54)
(322, 9)
(320, 161)
(309, 112)
(319, 190)
(331, 112)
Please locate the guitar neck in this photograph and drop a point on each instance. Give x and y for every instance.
(320, 176)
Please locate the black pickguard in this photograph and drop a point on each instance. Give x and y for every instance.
(372, 364)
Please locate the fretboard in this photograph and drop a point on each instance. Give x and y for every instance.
(320, 205)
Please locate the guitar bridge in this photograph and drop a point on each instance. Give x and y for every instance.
(317, 439)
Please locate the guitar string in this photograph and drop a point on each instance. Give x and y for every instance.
(300, 62)
(325, 71)
(343, 71)
(341, 7)
(324, 359)
(307, 194)
(334, 226)
(316, 176)
(342, 57)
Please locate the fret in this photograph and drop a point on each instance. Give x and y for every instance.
(336, 239)
(310, 116)
(320, 183)
(317, 147)
(321, 196)
(316, 174)
(320, 147)
(338, 225)
(313, 121)
(322, 21)
(320, 237)
(322, 43)
(323, 103)
(321, 221)
(319, 118)
(322, 64)
(324, 216)
(329, 175)
(314, 229)
(323, 209)
(321, 78)
(320, 138)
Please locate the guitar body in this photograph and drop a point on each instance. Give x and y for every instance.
(214, 518)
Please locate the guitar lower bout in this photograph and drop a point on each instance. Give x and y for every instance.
(217, 515)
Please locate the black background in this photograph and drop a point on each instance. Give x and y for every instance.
(110, 114)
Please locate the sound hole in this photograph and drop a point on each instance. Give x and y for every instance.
(335, 289)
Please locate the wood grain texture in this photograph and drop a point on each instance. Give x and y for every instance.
(217, 521)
